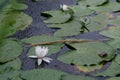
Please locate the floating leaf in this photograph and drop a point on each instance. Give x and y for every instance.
(40, 74)
(77, 77)
(88, 53)
(112, 33)
(97, 22)
(58, 16)
(115, 43)
(80, 11)
(42, 39)
(68, 29)
(112, 70)
(114, 78)
(13, 21)
(91, 3)
(115, 22)
(110, 7)
(10, 75)
(10, 50)
(117, 59)
(9, 5)
(15, 65)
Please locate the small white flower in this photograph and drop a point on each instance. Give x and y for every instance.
(64, 7)
(41, 52)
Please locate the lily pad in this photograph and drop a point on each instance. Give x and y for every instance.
(115, 22)
(80, 11)
(77, 77)
(42, 39)
(97, 22)
(109, 7)
(112, 33)
(9, 5)
(114, 78)
(115, 43)
(40, 74)
(88, 53)
(91, 3)
(57, 16)
(13, 21)
(117, 59)
(68, 29)
(10, 50)
(10, 75)
(112, 70)
(15, 65)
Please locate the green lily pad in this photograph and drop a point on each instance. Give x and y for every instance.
(10, 50)
(115, 43)
(112, 33)
(114, 78)
(77, 77)
(91, 2)
(40, 74)
(10, 75)
(115, 22)
(97, 22)
(88, 53)
(42, 39)
(110, 7)
(117, 59)
(68, 29)
(112, 70)
(12, 22)
(58, 16)
(80, 11)
(15, 65)
(9, 5)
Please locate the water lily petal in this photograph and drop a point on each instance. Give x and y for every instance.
(41, 51)
(47, 59)
(32, 56)
(39, 61)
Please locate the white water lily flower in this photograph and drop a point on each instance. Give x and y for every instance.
(41, 52)
(64, 7)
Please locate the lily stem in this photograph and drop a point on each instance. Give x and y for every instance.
(63, 41)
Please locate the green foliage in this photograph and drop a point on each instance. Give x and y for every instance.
(112, 70)
(77, 77)
(57, 16)
(42, 74)
(10, 50)
(88, 53)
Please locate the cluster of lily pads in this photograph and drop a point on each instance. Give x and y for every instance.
(88, 56)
